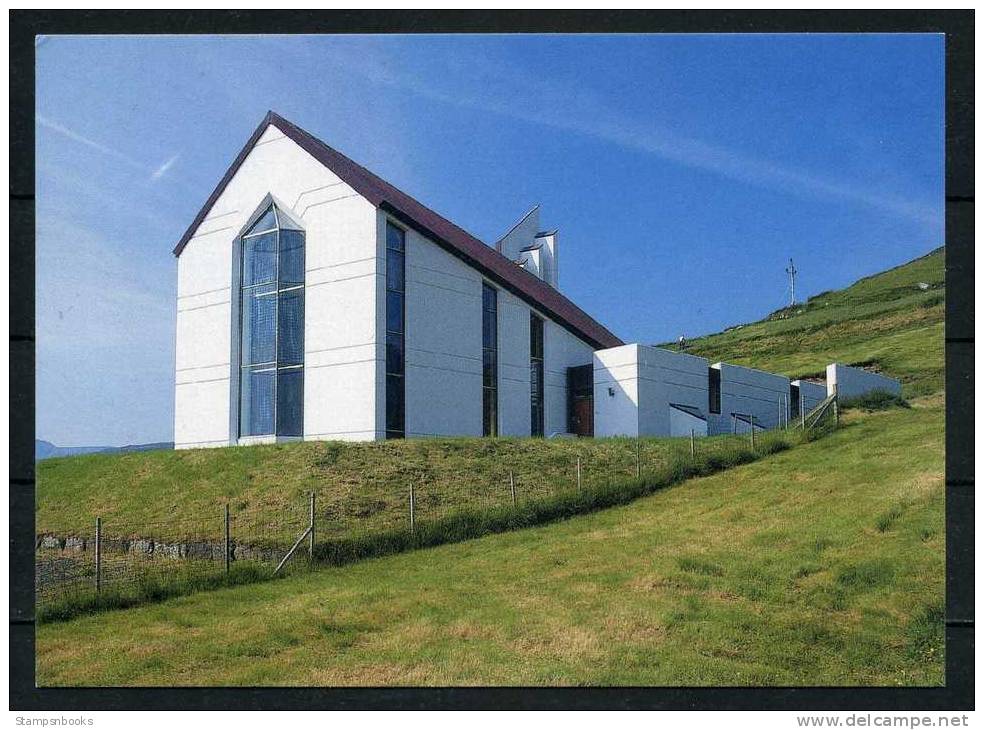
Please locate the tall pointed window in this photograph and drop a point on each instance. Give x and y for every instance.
(271, 383)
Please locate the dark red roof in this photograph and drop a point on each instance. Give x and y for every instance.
(435, 227)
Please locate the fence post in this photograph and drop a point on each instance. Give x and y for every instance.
(751, 421)
(836, 414)
(228, 540)
(802, 412)
(411, 508)
(512, 486)
(579, 473)
(98, 554)
(638, 457)
(693, 446)
(311, 535)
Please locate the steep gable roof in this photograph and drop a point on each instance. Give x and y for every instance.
(430, 224)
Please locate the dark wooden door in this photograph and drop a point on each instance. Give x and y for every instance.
(583, 420)
(580, 400)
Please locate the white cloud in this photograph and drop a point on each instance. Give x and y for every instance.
(81, 139)
(159, 172)
(155, 174)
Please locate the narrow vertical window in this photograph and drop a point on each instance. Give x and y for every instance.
(490, 362)
(395, 331)
(713, 390)
(271, 360)
(536, 375)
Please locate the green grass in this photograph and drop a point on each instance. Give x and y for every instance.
(143, 579)
(148, 586)
(777, 572)
(884, 321)
(878, 400)
(822, 564)
(361, 487)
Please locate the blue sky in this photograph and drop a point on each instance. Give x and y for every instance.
(682, 171)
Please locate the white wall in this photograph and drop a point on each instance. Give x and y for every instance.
(848, 382)
(616, 391)
(444, 351)
(340, 300)
(443, 342)
(749, 391)
(514, 366)
(683, 423)
(635, 384)
(561, 350)
(341, 351)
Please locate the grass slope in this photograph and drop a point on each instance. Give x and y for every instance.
(360, 487)
(819, 565)
(886, 321)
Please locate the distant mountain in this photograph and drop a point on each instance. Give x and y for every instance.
(47, 450)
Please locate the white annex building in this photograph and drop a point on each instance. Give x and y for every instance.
(317, 301)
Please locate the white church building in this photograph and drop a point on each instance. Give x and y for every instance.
(317, 301)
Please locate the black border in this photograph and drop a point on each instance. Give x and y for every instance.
(958, 25)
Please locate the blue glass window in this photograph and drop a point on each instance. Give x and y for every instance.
(290, 328)
(256, 404)
(395, 326)
(271, 384)
(260, 259)
(290, 402)
(394, 270)
(394, 312)
(266, 222)
(259, 331)
(536, 375)
(394, 355)
(490, 361)
(395, 237)
(291, 257)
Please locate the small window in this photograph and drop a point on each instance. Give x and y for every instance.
(714, 390)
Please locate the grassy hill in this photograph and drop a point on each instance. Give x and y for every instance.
(360, 487)
(886, 321)
(823, 564)
(820, 565)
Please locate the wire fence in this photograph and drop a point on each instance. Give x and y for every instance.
(130, 557)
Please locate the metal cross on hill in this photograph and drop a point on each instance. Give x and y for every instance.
(791, 270)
